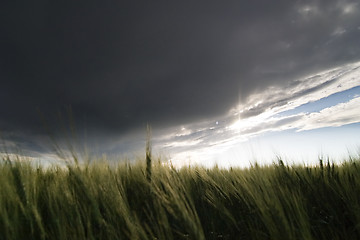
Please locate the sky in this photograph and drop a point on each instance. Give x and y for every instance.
(228, 82)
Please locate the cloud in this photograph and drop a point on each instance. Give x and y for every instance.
(276, 99)
(338, 115)
(183, 143)
(338, 31)
(348, 8)
(265, 106)
(121, 65)
(265, 113)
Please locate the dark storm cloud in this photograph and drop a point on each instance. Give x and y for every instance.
(120, 64)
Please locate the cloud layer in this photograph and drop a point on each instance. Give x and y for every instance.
(121, 64)
(265, 112)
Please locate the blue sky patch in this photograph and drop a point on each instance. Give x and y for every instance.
(317, 106)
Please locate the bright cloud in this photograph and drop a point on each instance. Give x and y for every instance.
(277, 99)
(183, 143)
(261, 114)
(349, 8)
(338, 115)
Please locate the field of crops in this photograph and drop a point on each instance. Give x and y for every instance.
(102, 201)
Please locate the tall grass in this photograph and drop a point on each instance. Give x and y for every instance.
(101, 201)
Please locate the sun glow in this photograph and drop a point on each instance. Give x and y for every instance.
(245, 124)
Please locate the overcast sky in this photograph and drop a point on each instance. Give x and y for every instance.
(175, 65)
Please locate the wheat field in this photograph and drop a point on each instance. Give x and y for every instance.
(107, 201)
